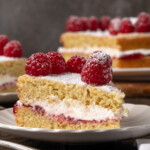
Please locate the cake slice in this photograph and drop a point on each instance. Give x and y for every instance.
(10, 69)
(68, 100)
(11, 64)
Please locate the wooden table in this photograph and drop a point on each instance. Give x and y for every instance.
(117, 145)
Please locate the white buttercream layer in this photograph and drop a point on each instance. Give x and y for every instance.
(72, 108)
(6, 79)
(4, 58)
(110, 51)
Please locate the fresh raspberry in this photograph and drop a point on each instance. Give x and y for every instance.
(93, 23)
(114, 26)
(73, 24)
(13, 49)
(58, 62)
(126, 26)
(84, 23)
(97, 69)
(104, 23)
(3, 41)
(143, 23)
(75, 64)
(38, 64)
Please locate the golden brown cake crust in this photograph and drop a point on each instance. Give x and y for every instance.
(13, 68)
(121, 42)
(25, 117)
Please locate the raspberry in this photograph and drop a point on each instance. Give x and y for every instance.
(75, 64)
(114, 26)
(13, 49)
(143, 23)
(3, 41)
(104, 23)
(38, 64)
(126, 26)
(58, 62)
(84, 23)
(97, 69)
(73, 24)
(93, 23)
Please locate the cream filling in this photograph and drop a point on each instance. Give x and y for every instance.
(6, 79)
(72, 108)
(110, 51)
(75, 78)
(4, 58)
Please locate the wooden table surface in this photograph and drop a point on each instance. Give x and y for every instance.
(129, 144)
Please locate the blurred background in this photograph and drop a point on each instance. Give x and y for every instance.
(37, 24)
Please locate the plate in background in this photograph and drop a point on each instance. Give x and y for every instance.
(131, 74)
(8, 97)
(136, 125)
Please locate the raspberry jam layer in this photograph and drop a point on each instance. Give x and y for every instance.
(60, 118)
(7, 85)
(131, 56)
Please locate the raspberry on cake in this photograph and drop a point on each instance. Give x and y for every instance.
(3, 41)
(65, 101)
(104, 23)
(75, 64)
(58, 62)
(116, 37)
(11, 64)
(13, 49)
(38, 64)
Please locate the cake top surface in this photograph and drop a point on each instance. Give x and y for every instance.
(75, 78)
(4, 58)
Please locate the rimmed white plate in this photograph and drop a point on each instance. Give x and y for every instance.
(136, 72)
(8, 97)
(136, 125)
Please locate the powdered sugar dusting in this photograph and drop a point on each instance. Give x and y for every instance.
(75, 78)
(4, 58)
(116, 23)
(98, 57)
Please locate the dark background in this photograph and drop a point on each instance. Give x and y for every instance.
(37, 24)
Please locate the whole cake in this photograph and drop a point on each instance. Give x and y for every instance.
(74, 95)
(126, 40)
(11, 64)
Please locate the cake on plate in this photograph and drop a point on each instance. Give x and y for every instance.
(126, 40)
(11, 64)
(74, 95)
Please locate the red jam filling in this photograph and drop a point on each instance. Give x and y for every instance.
(61, 118)
(7, 85)
(131, 56)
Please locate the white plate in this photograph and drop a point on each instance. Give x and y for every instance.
(136, 72)
(136, 125)
(8, 97)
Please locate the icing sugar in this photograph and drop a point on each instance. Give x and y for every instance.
(75, 78)
(4, 58)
